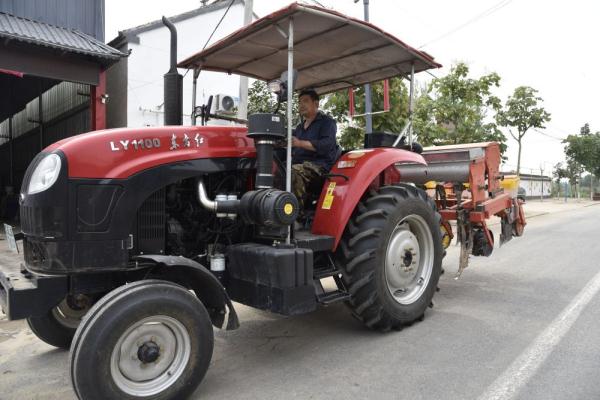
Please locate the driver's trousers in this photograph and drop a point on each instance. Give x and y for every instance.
(302, 177)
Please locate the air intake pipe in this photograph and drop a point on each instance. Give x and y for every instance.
(173, 86)
(265, 129)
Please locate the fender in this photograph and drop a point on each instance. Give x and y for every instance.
(195, 276)
(121, 153)
(339, 197)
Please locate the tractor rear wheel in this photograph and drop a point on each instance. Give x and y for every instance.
(391, 257)
(150, 339)
(59, 324)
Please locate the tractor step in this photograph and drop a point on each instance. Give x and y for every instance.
(322, 273)
(336, 296)
(305, 239)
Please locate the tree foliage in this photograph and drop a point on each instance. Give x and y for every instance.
(571, 170)
(584, 149)
(454, 109)
(521, 113)
(261, 100)
(352, 130)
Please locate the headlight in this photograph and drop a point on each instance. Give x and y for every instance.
(45, 174)
(275, 86)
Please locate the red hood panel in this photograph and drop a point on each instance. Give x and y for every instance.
(120, 153)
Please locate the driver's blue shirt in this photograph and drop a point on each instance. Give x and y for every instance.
(321, 134)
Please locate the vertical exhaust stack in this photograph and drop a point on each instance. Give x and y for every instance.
(265, 129)
(173, 90)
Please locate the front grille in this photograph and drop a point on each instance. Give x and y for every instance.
(151, 225)
(34, 254)
(48, 222)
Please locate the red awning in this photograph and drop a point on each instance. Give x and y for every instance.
(331, 51)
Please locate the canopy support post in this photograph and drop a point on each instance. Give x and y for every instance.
(368, 101)
(194, 86)
(11, 151)
(411, 105)
(290, 96)
(41, 118)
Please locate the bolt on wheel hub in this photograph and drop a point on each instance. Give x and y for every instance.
(148, 352)
(150, 355)
(409, 259)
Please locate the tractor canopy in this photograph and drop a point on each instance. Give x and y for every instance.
(331, 51)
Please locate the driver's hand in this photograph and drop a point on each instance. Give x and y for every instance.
(295, 141)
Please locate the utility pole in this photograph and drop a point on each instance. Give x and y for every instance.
(542, 181)
(243, 104)
(368, 104)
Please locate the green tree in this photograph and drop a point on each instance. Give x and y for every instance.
(351, 131)
(570, 171)
(521, 113)
(584, 149)
(261, 100)
(454, 109)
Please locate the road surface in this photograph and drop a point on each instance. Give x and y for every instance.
(522, 324)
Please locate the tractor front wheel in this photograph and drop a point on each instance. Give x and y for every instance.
(150, 339)
(391, 257)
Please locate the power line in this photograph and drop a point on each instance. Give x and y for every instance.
(214, 30)
(218, 24)
(476, 18)
(548, 135)
(318, 3)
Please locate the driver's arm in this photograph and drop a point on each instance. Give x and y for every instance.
(326, 142)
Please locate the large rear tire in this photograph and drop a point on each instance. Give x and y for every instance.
(150, 339)
(391, 257)
(58, 326)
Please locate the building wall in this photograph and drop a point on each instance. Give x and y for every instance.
(149, 61)
(86, 16)
(65, 105)
(534, 187)
(116, 88)
(74, 121)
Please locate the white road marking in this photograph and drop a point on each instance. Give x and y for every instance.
(507, 385)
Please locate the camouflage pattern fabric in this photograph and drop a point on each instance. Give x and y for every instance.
(302, 175)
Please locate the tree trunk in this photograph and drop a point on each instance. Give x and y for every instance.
(519, 158)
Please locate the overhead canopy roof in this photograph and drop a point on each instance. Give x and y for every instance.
(34, 56)
(55, 37)
(331, 51)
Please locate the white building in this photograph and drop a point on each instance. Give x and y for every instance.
(536, 185)
(135, 85)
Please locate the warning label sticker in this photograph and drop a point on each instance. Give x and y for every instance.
(328, 200)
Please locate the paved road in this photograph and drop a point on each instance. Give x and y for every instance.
(522, 324)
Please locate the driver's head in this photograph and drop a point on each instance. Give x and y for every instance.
(308, 103)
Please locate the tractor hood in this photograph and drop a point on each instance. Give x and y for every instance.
(120, 153)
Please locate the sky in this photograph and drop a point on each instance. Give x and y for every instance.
(551, 46)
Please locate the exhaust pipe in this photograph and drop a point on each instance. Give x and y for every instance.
(173, 86)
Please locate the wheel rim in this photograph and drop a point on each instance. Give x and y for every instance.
(69, 314)
(409, 259)
(150, 356)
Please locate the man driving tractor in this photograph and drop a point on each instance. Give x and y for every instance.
(314, 144)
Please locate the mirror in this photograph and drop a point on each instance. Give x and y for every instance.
(280, 86)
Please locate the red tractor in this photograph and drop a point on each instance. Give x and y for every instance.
(136, 241)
